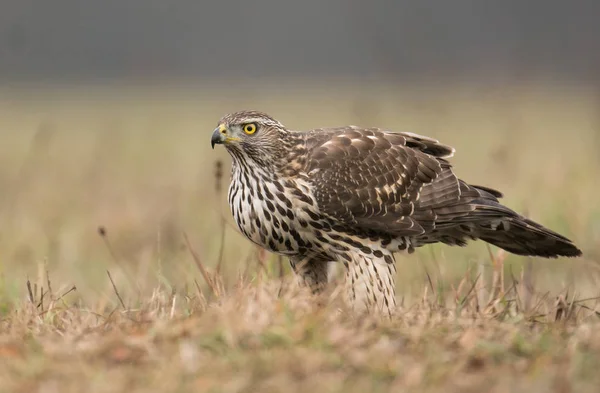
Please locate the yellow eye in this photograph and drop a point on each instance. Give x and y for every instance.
(250, 128)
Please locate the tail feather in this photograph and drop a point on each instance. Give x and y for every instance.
(517, 234)
(522, 236)
(477, 214)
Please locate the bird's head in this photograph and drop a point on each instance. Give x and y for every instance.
(250, 135)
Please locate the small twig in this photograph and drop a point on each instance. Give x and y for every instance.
(173, 302)
(103, 234)
(73, 288)
(461, 284)
(221, 246)
(590, 309)
(470, 290)
(430, 281)
(41, 303)
(218, 184)
(108, 318)
(30, 292)
(586, 299)
(49, 285)
(200, 265)
(116, 291)
(425, 295)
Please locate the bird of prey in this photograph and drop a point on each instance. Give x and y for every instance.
(355, 196)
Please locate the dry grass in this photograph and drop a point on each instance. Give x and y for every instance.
(267, 335)
(121, 271)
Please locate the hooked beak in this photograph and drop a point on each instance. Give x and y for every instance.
(219, 136)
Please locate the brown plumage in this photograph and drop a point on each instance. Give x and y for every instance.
(355, 196)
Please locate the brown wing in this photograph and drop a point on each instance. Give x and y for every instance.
(379, 180)
(400, 183)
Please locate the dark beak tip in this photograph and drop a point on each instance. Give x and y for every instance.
(216, 138)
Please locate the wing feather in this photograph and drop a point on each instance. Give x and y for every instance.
(401, 184)
(374, 180)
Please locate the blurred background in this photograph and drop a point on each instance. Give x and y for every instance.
(70, 40)
(106, 110)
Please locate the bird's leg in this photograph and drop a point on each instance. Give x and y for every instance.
(370, 284)
(312, 272)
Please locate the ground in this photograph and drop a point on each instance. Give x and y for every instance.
(121, 269)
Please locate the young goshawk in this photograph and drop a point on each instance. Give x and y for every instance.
(355, 196)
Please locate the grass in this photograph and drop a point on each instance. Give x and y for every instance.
(120, 269)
